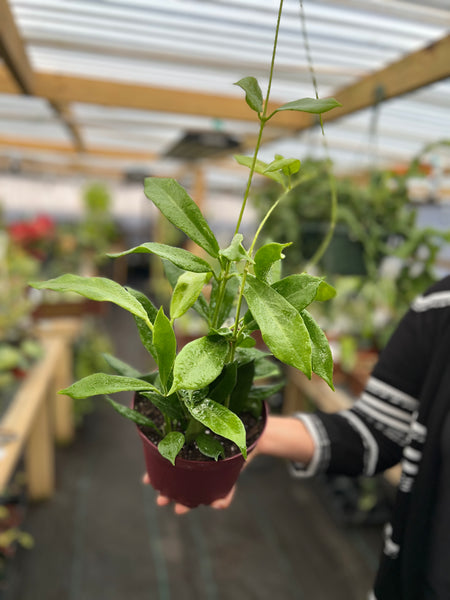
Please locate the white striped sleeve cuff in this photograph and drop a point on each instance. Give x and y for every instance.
(321, 456)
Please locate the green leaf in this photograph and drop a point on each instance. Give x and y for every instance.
(132, 415)
(168, 405)
(210, 446)
(220, 420)
(173, 273)
(170, 446)
(165, 345)
(121, 367)
(254, 407)
(222, 387)
(281, 325)
(180, 210)
(186, 292)
(260, 167)
(325, 292)
(102, 383)
(193, 396)
(316, 106)
(178, 256)
(236, 251)
(289, 166)
(322, 360)
(198, 363)
(253, 93)
(265, 258)
(299, 290)
(151, 377)
(147, 304)
(228, 300)
(245, 355)
(261, 392)
(224, 332)
(245, 340)
(265, 368)
(145, 332)
(244, 382)
(94, 288)
(249, 322)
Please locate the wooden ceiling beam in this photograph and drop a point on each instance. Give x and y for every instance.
(58, 148)
(413, 71)
(416, 70)
(65, 116)
(114, 94)
(13, 52)
(70, 169)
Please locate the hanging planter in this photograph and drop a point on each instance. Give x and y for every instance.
(344, 255)
(204, 390)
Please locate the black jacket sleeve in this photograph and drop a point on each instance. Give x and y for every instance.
(370, 436)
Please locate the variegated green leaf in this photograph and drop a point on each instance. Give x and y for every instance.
(178, 256)
(170, 445)
(289, 166)
(236, 251)
(145, 332)
(121, 367)
(94, 288)
(131, 414)
(244, 382)
(253, 93)
(266, 257)
(220, 420)
(260, 167)
(301, 289)
(282, 327)
(170, 406)
(165, 345)
(322, 360)
(198, 363)
(222, 387)
(316, 106)
(210, 446)
(179, 208)
(186, 292)
(102, 383)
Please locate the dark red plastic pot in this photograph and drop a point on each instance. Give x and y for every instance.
(193, 482)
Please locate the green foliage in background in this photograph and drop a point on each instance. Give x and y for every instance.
(379, 258)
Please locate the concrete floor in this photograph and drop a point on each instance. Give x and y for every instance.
(101, 537)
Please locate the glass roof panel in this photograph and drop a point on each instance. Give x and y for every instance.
(187, 45)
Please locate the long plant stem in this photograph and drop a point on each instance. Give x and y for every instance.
(263, 120)
(221, 294)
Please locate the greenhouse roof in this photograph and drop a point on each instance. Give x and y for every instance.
(111, 88)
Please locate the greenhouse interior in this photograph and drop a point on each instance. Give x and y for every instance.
(229, 223)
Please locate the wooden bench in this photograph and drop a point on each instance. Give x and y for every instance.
(38, 416)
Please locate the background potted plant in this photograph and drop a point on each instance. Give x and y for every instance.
(205, 398)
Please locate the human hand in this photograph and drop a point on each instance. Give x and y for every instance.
(181, 509)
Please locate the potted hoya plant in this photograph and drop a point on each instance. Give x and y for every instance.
(202, 410)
